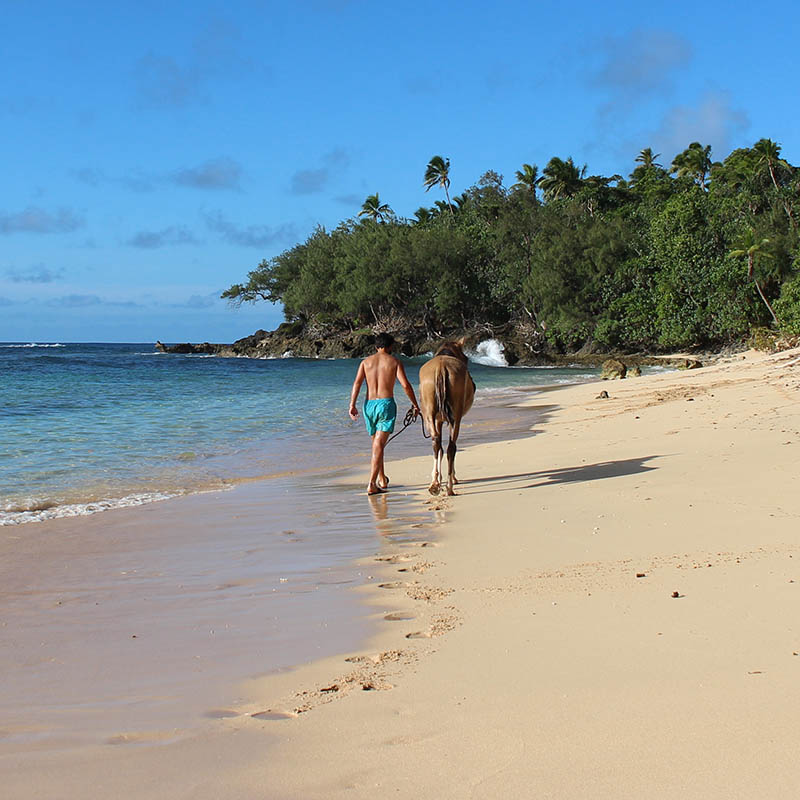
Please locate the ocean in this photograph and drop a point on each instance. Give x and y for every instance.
(89, 427)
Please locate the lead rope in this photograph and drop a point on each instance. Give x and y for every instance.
(408, 420)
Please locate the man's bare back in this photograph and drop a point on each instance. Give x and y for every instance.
(380, 372)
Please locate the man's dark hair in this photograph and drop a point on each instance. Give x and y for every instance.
(384, 340)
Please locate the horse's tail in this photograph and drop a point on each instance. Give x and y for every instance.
(443, 395)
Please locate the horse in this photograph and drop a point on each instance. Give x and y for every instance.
(446, 392)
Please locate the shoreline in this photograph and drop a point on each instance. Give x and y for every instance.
(142, 619)
(78, 590)
(534, 642)
(100, 480)
(518, 344)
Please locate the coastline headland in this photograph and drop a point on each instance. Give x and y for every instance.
(519, 346)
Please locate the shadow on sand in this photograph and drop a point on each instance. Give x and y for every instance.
(585, 472)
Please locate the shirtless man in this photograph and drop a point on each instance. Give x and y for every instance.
(380, 411)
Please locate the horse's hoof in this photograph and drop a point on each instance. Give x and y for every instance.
(450, 492)
(434, 488)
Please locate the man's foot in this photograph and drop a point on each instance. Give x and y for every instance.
(383, 483)
(373, 489)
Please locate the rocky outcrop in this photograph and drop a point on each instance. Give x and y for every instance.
(290, 341)
(613, 369)
(523, 344)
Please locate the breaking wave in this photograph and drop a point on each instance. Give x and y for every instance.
(32, 344)
(489, 352)
(39, 510)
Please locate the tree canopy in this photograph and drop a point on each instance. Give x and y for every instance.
(693, 255)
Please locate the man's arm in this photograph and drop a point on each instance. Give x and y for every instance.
(407, 387)
(360, 375)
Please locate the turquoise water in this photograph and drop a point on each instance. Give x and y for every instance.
(84, 427)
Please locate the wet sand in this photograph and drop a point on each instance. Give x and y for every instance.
(147, 619)
(139, 624)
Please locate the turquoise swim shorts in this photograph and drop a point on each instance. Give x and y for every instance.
(380, 414)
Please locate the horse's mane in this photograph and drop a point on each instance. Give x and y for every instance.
(453, 349)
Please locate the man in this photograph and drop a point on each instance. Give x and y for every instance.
(380, 371)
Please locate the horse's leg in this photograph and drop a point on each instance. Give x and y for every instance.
(451, 458)
(436, 441)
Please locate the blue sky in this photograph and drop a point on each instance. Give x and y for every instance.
(153, 155)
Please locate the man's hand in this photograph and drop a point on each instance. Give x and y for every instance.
(353, 412)
(416, 410)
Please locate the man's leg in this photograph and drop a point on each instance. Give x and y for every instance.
(376, 471)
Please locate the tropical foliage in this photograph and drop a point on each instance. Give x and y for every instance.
(374, 209)
(696, 254)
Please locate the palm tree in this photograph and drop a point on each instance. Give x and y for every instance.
(423, 214)
(440, 207)
(695, 162)
(647, 169)
(561, 178)
(647, 158)
(374, 209)
(769, 156)
(460, 200)
(527, 178)
(750, 246)
(437, 173)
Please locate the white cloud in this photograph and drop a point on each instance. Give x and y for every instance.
(219, 173)
(640, 61)
(314, 179)
(168, 81)
(150, 240)
(250, 235)
(87, 300)
(38, 220)
(713, 120)
(37, 274)
(201, 301)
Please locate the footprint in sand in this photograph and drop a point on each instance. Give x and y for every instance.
(400, 616)
(221, 713)
(144, 737)
(395, 585)
(273, 715)
(419, 635)
(377, 658)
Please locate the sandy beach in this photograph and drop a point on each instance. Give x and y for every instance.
(607, 609)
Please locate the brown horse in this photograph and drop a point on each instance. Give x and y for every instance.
(446, 392)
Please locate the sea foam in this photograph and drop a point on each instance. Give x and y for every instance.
(489, 352)
(32, 344)
(38, 511)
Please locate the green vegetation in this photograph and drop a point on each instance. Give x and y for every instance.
(695, 255)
